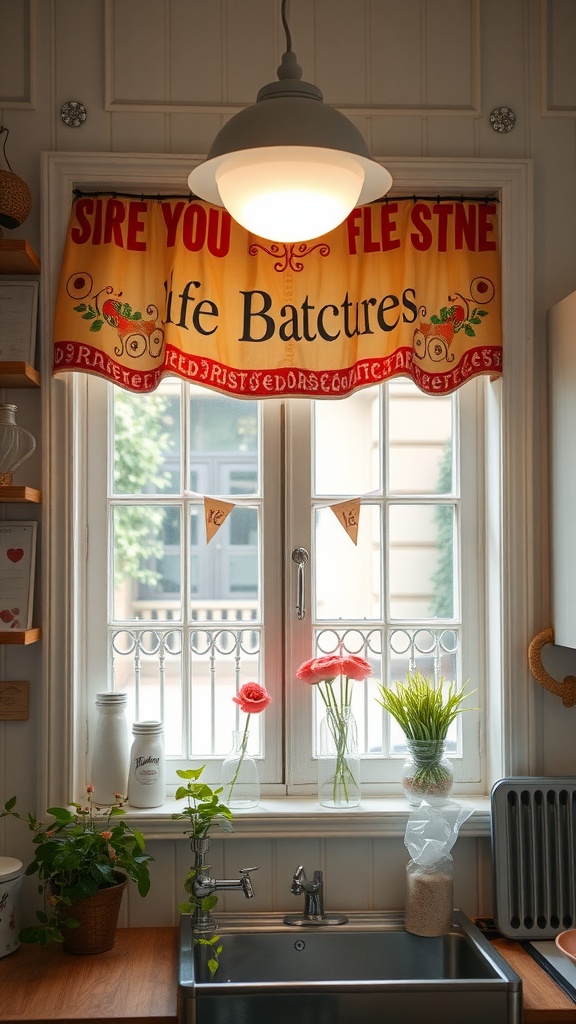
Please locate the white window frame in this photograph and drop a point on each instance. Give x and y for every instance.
(509, 513)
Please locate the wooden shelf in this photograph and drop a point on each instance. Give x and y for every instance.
(18, 375)
(12, 492)
(18, 257)
(25, 636)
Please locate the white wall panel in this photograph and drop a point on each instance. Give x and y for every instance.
(452, 54)
(505, 30)
(196, 48)
(77, 64)
(17, 52)
(395, 52)
(341, 61)
(558, 36)
(452, 136)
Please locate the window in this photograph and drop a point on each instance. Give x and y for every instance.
(185, 621)
(73, 648)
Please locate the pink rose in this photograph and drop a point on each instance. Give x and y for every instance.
(355, 668)
(252, 698)
(106, 835)
(317, 670)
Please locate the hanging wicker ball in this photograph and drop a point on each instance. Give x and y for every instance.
(15, 199)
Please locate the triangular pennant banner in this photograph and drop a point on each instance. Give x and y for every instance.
(216, 512)
(348, 514)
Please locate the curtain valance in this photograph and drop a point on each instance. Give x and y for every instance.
(150, 287)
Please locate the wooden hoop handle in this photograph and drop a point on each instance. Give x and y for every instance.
(567, 689)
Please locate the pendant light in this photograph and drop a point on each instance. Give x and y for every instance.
(288, 167)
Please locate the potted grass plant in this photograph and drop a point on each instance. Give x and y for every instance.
(424, 711)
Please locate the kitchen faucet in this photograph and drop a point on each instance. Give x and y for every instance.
(313, 901)
(204, 885)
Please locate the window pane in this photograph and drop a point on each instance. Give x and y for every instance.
(420, 440)
(147, 665)
(221, 661)
(224, 576)
(346, 444)
(347, 576)
(147, 562)
(421, 561)
(221, 426)
(146, 441)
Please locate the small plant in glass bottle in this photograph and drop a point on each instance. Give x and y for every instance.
(424, 711)
(203, 811)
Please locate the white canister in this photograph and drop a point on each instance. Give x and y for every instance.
(109, 768)
(146, 785)
(10, 885)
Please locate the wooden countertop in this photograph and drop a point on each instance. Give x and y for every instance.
(543, 1001)
(135, 982)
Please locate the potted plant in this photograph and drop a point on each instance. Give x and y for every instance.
(424, 712)
(83, 859)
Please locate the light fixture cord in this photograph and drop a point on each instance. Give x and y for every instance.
(2, 131)
(285, 24)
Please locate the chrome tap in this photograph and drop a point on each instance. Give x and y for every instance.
(204, 885)
(313, 901)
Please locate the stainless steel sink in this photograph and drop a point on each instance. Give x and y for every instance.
(368, 969)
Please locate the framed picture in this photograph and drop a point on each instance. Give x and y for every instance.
(17, 565)
(18, 316)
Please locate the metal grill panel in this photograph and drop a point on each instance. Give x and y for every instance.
(533, 843)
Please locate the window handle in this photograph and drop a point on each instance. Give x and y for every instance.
(300, 556)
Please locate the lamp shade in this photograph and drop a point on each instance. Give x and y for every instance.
(288, 167)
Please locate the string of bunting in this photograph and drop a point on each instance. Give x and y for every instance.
(216, 512)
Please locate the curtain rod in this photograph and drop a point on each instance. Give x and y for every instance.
(80, 193)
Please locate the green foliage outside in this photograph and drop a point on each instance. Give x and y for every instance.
(142, 438)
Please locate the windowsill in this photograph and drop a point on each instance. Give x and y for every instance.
(300, 817)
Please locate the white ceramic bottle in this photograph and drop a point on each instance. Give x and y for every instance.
(146, 785)
(109, 769)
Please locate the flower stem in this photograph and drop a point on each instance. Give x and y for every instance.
(243, 745)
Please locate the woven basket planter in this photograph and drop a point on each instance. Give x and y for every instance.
(98, 917)
(15, 199)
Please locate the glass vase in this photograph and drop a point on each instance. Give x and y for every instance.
(339, 760)
(239, 779)
(427, 772)
(16, 444)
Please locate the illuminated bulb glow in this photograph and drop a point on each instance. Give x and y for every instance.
(289, 194)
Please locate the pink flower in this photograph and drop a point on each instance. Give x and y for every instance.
(252, 698)
(317, 670)
(89, 789)
(355, 668)
(107, 835)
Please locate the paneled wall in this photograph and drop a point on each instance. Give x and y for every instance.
(420, 78)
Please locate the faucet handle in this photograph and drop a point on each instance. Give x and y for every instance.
(247, 887)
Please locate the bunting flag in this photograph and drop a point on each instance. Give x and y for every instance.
(150, 287)
(216, 512)
(348, 515)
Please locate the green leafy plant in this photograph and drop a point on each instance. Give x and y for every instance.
(80, 852)
(203, 811)
(423, 711)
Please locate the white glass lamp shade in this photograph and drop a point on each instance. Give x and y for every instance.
(289, 167)
(16, 444)
(291, 193)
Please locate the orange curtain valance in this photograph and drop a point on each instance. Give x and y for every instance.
(150, 287)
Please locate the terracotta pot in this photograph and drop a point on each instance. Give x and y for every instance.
(98, 917)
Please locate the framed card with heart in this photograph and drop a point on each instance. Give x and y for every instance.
(17, 565)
